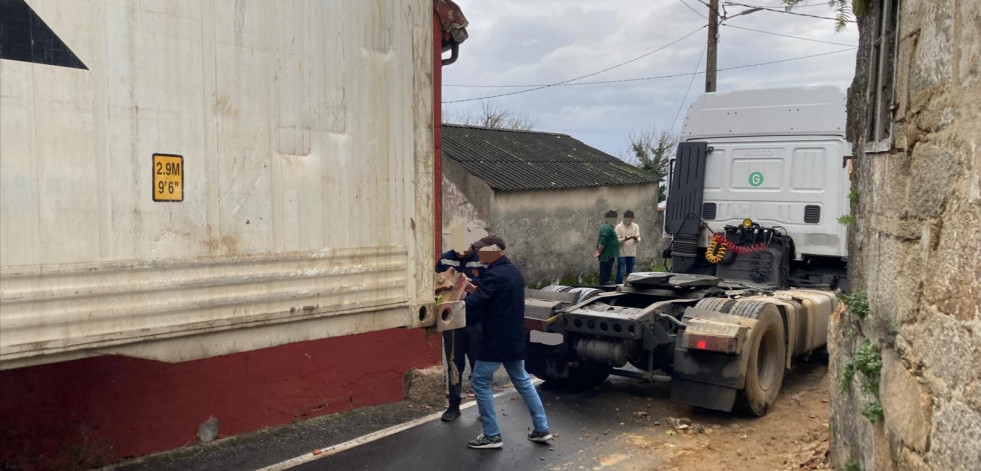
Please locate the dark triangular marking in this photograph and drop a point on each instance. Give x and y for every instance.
(25, 37)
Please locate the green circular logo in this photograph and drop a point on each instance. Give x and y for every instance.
(756, 179)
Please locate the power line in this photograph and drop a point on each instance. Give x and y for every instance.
(712, 8)
(787, 35)
(539, 87)
(598, 82)
(694, 10)
(809, 5)
(786, 12)
(656, 77)
(791, 59)
(687, 90)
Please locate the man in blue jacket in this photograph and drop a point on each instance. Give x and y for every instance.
(500, 303)
(461, 344)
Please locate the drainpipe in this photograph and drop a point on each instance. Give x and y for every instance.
(449, 30)
(437, 134)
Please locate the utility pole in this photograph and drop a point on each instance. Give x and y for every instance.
(713, 46)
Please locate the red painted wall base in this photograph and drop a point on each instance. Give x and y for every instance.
(99, 410)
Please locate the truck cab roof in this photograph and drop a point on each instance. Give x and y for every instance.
(791, 111)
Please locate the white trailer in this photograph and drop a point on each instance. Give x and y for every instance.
(197, 178)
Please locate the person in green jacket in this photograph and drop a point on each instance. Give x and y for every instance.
(607, 247)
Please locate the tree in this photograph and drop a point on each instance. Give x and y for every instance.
(650, 151)
(491, 116)
(845, 10)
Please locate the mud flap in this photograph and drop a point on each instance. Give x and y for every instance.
(705, 378)
(709, 396)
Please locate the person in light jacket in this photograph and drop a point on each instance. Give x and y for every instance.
(628, 234)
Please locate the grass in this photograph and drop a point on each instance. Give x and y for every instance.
(846, 219)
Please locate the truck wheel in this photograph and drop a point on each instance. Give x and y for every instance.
(764, 370)
(580, 379)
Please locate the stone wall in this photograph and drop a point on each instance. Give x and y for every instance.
(915, 253)
(552, 234)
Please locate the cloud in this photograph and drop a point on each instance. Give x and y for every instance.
(545, 41)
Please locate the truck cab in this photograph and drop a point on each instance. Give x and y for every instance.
(755, 192)
(775, 157)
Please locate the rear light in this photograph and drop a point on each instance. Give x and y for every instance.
(711, 343)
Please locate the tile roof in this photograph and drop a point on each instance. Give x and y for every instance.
(510, 160)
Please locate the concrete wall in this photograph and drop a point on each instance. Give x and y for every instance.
(552, 234)
(916, 253)
(467, 196)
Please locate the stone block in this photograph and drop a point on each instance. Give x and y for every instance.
(944, 349)
(907, 405)
(934, 173)
(952, 280)
(968, 44)
(956, 439)
(427, 386)
(909, 460)
(933, 57)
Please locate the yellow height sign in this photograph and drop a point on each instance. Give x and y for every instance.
(168, 177)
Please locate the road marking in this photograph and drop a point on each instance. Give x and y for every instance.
(374, 436)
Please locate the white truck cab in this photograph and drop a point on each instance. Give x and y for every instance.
(775, 156)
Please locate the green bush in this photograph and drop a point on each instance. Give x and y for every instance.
(845, 381)
(857, 302)
(873, 412)
(868, 361)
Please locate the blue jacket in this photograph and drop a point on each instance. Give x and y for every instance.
(500, 304)
(470, 267)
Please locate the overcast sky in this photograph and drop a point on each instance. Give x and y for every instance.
(520, 42)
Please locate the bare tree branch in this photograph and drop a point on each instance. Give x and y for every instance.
(650, 149)
(490, 116)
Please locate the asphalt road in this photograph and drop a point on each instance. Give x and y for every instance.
(625, 425)
(586, 425)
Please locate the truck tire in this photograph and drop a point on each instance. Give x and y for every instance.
(580, 378)
(767, 353)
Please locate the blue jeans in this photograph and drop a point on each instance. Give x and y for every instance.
(483, 375)
(625, 267)
(606, 270)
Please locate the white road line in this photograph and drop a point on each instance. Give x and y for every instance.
(335, 449)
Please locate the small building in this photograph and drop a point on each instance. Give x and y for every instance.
(546, 194)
